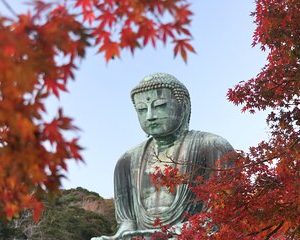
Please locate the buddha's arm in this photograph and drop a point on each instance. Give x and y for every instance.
(221, 148)
(124, 203)
(123, 199)
(214, 147)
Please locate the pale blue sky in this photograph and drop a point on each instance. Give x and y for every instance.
(99, 98)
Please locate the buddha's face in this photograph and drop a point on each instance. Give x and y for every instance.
(159, 113)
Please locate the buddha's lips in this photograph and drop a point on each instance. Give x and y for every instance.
(156, 123)
(152, 125)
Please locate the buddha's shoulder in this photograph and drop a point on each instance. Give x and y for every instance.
(207, 138)
(136, 150)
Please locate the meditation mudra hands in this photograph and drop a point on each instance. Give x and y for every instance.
(128, 234)
(127, 230)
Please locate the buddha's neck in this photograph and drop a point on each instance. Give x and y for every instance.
(164, 142)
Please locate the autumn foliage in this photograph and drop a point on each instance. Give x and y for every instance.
(133, 24)
(39, 53)
(259, 197)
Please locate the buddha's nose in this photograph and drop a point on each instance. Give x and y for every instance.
(151, 116)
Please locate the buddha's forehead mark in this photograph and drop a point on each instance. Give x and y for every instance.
(146, 96)
(152, 95)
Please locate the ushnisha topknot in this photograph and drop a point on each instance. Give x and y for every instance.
(162, 80)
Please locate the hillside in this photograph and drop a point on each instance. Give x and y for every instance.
(75, 214)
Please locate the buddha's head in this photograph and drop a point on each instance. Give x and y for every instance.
(162, 104)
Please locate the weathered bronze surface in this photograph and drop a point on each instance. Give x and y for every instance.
(163, 107)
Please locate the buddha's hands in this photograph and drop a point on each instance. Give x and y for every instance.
(114, 237)
(126, 235)
(139, 233)
(103, 238)
(173, 232)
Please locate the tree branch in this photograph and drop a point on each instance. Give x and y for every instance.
(171, 160)
(12, 11)
(274, 231)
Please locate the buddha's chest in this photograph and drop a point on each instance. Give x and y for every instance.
(156, 200)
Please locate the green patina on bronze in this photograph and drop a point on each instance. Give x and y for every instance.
(163, 107)
(164, 80)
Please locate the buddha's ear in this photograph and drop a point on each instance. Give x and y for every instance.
(186, 107)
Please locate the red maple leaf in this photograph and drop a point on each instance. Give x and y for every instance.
(183, 14)
(166, 31)
(107, 18)
(148, 32)
(83, 3)
(111, 50)
(129, 39)
(182, 46)
(54, 86)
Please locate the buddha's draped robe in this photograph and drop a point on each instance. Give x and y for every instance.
(197, 152)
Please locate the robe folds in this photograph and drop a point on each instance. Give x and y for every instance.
(196, 149)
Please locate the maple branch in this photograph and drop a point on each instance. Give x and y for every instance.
(39, 92)
(260, 231)
(9, 7)
(274, 231)
(223, 169)
(157, 18)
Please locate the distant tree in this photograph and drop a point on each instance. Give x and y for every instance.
(65, 217)
(39, 53)
(258, 197)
